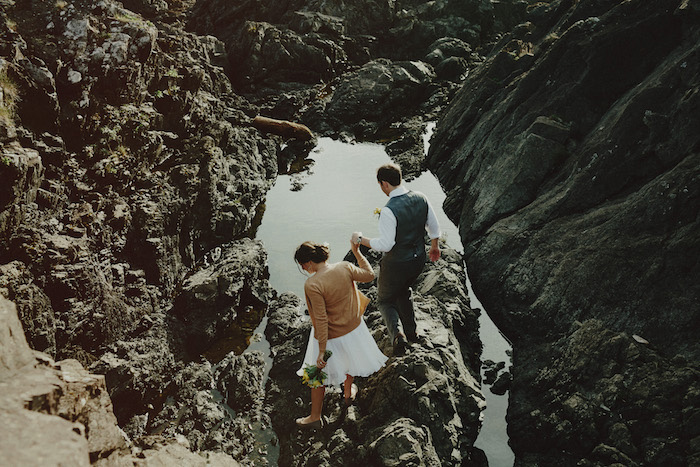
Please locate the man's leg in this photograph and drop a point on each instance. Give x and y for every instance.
(404, 308)
(386, 298)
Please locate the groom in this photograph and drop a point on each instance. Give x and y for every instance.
(402, 226)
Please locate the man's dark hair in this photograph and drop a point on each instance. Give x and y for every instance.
(389, 173)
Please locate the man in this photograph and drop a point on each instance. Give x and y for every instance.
(402, 226)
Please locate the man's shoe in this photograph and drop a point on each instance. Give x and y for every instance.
(400, 345)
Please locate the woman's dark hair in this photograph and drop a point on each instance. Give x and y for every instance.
(310, 251)
(389, 173)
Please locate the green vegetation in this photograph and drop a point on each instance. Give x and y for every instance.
(127, 17)
(172, 73)
(4, 160)
(9, 96)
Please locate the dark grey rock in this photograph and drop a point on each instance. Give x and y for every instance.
(604, 396)
(213, 297)
(575, 201)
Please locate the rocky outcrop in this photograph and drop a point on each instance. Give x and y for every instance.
(372, 98)
(571, 164)
(312, 38)
(422, 408)
(233, 284)
(603, 398)
(57, 413)
(151, 164)
(156, 387)
(54, 412)
(126, 158)
(352, 69)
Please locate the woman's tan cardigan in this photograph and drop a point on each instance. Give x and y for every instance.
(335, 304)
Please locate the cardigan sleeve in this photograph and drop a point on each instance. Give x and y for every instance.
(364, 273)
(317, 311)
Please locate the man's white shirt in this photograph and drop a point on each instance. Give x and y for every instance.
(387, 224)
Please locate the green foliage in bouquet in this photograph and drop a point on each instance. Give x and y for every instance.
(313, 376)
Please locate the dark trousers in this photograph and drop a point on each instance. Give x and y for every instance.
(394, 294)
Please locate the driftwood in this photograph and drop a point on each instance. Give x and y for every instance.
(283, 128)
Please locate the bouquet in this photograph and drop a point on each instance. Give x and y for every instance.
(313, 376)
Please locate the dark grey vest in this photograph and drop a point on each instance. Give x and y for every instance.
(411, 211)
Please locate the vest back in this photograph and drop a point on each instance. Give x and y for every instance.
(411, 212)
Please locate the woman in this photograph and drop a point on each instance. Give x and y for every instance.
(336, 307)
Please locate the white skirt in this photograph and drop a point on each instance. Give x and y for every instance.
(355, 354)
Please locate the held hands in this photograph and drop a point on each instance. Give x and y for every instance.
(355, 242)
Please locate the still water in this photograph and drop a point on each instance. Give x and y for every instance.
(338, 195)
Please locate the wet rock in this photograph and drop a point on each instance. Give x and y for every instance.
(371, 98)
(240, 380)
(491, 370)
(502, 383)
(263, 52)
(408, 151)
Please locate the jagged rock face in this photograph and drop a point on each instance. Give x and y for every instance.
(573, 172)
(571, 163)
(56, 412)
(373, 98)
(310, 41)
(218, 295)
(607, 397)
(130, 158)
(422, 408)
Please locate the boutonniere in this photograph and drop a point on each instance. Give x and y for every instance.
(377, 211)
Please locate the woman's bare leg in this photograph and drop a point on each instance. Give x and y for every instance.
(316, 405)
(347, 387)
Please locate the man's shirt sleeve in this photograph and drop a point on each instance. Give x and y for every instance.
(387, 231)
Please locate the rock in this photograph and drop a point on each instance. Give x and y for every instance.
(213, 297)
(21, 170)
(33, 307)
(31, 436)
(445, 48)
(452, 69)
(380, 92)
(597, 388)
(15, 353)
(502, 383)
(57, 412)
(576, 202)
(262, 52)
(240, 379)
(403, 443)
